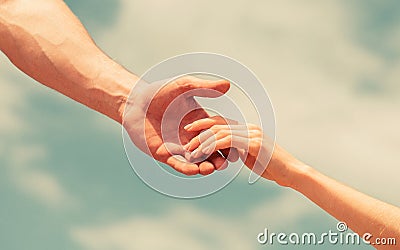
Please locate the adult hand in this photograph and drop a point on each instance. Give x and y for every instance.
(156, 113)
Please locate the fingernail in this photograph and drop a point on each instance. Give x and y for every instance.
(187, 127)
(197, 152)
(206, 150)
(188, 156)
(194, 153)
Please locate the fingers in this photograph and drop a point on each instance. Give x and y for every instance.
(223, 139)
(174, 149)
(225, 142)
(202, 87)
(206, 168)
(218, 161)
(220, 134)
(180, 164)
(196, 141)
(231, 154)
(205, 137)
(208, 123)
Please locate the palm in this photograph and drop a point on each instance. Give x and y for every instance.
(156, 119)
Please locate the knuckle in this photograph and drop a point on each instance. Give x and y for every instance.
(256, 142)
(224, 133)
(216, 128)
(227, 139)
(255, 133)
(253, 126)
(219, 119)
(194, 141)
(202, 136)
(183, 83)
(195, 123)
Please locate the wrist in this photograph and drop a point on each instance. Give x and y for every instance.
(123, 89)
(285, 169)
(115, 91)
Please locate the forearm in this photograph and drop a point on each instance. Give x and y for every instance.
(45, 40)
(363, 214)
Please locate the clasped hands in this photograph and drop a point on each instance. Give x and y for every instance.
(166, 122)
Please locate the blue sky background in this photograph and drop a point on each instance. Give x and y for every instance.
(331, 68)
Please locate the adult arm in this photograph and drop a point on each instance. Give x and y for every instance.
(44, 39)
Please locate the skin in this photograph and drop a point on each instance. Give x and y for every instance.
(45, 40)
(362, 213)
(148, 115)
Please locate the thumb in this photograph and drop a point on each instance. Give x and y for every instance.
(207, 88)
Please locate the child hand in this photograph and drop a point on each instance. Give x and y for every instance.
(256, 150)
(221, 133)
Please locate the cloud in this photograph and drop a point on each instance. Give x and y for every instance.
(315, 69)
(44, 187)
(24, 167)
(335, 99)
(11, 98)
(281, 208)
(23, 160)
(316, 72)
(185, 226)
